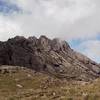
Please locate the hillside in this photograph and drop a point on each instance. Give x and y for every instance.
(19, 83)
(53, 57)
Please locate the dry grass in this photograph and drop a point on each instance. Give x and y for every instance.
(27, 85)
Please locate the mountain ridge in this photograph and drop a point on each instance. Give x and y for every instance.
(54, 57)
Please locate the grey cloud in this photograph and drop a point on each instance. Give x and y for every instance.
(65, 19)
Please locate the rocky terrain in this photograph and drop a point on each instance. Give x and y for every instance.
(21, 83)
(53, 57)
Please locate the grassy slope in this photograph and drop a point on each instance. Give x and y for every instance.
(27, 85)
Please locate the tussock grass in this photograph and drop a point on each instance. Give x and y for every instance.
(27, 85)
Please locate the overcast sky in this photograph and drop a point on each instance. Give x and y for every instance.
(76, 21)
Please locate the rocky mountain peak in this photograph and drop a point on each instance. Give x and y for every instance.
(51, 56)
(59, 45)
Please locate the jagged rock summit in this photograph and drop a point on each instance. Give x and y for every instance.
(54, 57)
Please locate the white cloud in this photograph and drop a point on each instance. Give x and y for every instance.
(8, 28)
(58, 18)
(91, 48)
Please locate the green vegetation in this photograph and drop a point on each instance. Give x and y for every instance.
(28, 85)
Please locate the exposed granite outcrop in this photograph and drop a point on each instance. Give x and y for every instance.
(53, 57)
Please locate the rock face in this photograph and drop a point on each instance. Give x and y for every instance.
(53, 57)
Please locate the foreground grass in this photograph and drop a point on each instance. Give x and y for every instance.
(28, 85)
